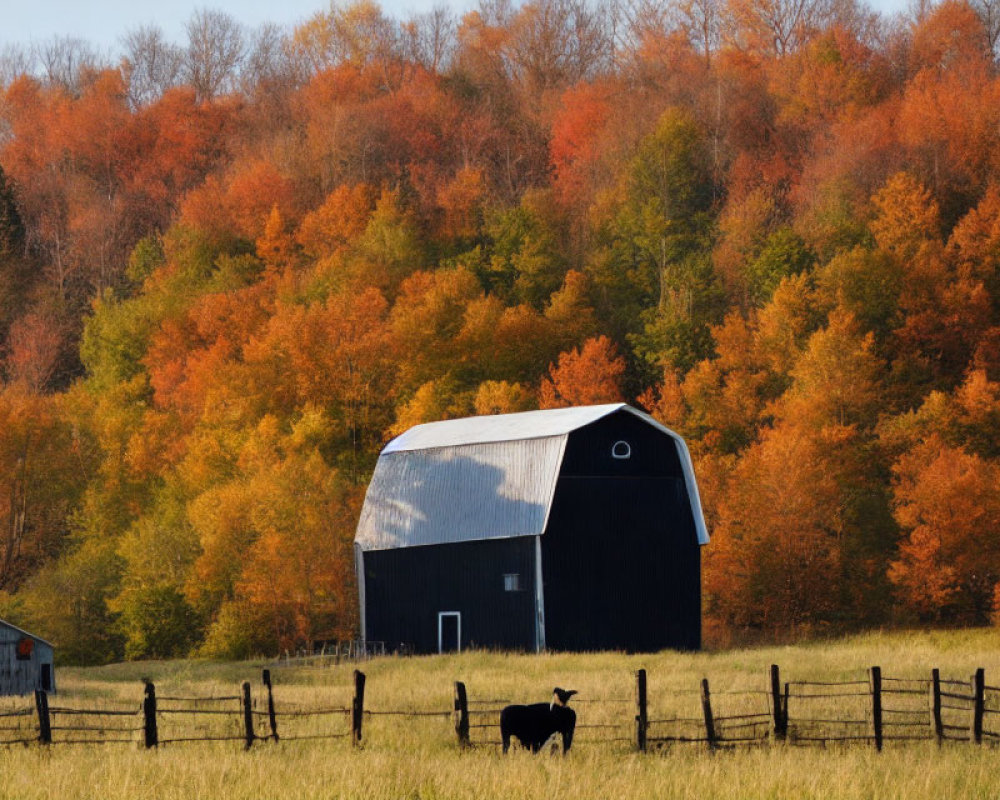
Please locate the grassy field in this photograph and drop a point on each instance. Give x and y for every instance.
(418, 758)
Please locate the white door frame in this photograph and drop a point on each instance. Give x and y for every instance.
(458, 617)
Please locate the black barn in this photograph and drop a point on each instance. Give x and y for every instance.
(567, 529)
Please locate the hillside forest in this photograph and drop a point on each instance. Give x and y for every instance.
(232, 268)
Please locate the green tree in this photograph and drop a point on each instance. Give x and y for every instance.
(784, 255)
(527, 258)
(653, 276)
(157, 553)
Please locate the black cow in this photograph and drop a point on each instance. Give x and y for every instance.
(534, 724)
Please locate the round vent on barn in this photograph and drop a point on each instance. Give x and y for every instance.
(621, 450)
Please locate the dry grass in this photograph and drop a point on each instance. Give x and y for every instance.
(417, 758)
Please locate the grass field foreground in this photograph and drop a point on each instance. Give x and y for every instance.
(418, 758)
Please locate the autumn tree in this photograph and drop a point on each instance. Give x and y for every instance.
(554, 43)
(429, 39)
(776, 560)
(15, 273)
(724, 396)
(586, 376)
(780, 27)
(44, 472)
(15, 60)
(293, 582)
(216, 48)
(35, 349)
(151, 64)
(974, 246)
(944, 498)
(357, 33)
(579, 139)
(67, 61)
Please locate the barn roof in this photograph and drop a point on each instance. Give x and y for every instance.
(478, 478)
(23, 632)
(504, 427)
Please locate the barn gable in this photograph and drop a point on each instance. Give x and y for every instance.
(482, 478)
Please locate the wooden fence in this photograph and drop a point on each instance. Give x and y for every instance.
(331, 654)
(873, 711)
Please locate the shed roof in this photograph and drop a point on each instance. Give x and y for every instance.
(23, 632)
(482, 478)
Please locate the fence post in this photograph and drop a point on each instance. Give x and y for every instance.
(706, 707)
(784, 707)
(937, 721)
(44, 725)
(641, 711)
(778, 712)
(150, 734)
(875, 682)
(357, 707)
(272, 719)
(247, 716)
(978, 682)
(461, 714)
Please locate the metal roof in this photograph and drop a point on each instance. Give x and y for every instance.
(482, 478)
(504, 427)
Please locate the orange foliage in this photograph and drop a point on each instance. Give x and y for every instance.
(576, 136)
(461, 202)
(253, 191)
(322, 259)
(34, 347)
(241, 204)
(906, 216)
(834, 77)
(951, 36)
(337, 222)
(275, 246)
(586, 376)
(182, 140)
(775, 560)
(945, 499)
(975, 240)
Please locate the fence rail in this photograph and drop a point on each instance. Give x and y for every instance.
(331, 654)
(873, 712)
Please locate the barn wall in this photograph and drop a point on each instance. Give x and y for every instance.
(22, 677)
(406, 588)
(620, 557)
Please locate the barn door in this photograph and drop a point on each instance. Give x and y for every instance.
(449, 632)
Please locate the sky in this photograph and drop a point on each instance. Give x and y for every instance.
(103, 22)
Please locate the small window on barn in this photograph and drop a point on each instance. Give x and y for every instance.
(621, 450)
(25, 647)
(512, 582)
